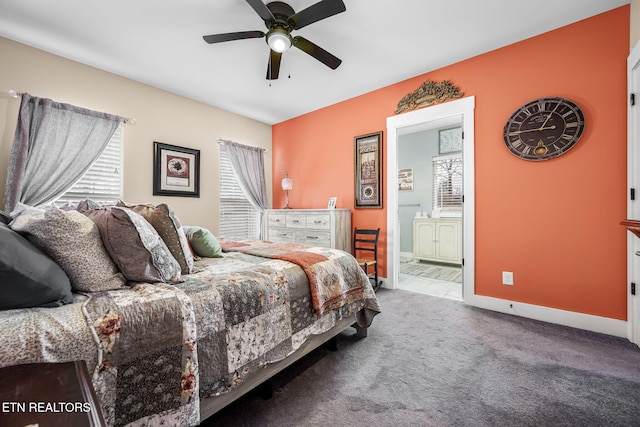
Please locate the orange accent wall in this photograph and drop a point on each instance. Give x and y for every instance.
(555, 224)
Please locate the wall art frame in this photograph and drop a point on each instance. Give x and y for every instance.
(405, 179)
(450, 140)
(176, 170)
(368, 170)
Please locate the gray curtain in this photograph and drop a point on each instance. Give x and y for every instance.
(54, 145)
(248, 167)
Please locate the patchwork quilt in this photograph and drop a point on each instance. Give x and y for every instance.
(157, 349)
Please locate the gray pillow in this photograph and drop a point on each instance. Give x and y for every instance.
(134, 245)
(4, 217)
(166, 223)
(73, 241)
(28, 277)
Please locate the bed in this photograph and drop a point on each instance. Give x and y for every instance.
(176, 353)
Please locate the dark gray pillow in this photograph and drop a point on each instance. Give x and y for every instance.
(4, 217)
(28, 277)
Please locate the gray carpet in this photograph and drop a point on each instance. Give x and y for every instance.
(448, 273)
(434, 362)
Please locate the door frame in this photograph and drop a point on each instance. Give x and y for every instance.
(633, 181)
(412, 122)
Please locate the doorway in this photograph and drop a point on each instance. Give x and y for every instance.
(633, 208)
(449, 114)
(430, 209)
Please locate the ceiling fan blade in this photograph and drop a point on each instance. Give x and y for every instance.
(273, 68)
(317, 12)
(261, 9)
(317, 52)
(227, 37)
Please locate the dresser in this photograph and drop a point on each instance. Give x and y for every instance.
(330, 228)
(438, 239)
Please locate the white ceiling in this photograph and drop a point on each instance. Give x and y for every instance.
(159, 42)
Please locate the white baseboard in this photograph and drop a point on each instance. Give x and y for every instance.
(603, 325)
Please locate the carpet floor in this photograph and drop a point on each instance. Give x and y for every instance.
(434, 362)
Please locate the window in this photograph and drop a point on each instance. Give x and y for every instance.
(103, 181)
(447, 185)
(238, 219)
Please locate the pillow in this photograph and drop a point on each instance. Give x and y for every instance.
(203, 242)
(73, 241)
(135, 246)
(4, 218)
(29, 278)
(166, 223)
(87, 204)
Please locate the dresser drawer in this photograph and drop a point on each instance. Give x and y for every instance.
(315, 238)
(319, 222)
(276, 220)
(282, 235)
(326, 228)
(296, 221)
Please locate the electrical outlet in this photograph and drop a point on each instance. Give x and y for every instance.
(507, 278)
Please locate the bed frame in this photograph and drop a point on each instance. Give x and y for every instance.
(209, 406)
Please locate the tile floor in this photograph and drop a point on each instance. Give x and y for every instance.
(434, 287)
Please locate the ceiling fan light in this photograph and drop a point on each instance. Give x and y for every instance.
(279, 41)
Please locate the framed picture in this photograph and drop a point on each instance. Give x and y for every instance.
(176, 171)
(450, 140)
(332, 203)
(368, 170)
(405, 179)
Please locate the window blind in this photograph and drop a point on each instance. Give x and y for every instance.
(447, 183)
(238, 219)
(103, 181)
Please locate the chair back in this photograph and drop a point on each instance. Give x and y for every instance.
(365, 240)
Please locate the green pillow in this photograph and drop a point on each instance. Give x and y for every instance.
(203, 242)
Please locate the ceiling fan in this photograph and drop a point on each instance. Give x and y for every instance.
(280, 19)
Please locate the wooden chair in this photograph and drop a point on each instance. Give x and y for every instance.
(365, 250)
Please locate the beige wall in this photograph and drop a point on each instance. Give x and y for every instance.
(160, 116)
(635, 22)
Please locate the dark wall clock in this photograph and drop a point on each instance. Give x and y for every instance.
(544, 128)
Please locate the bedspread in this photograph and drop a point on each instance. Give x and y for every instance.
(334, 280)
(157, 349)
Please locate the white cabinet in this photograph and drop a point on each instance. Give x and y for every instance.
(437, 239)
(330, 228)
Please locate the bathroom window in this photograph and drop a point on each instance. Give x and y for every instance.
(447, 185)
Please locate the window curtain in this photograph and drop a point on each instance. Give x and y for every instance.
(248, 167)
(54, 145)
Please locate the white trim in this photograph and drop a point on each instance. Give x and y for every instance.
(460, 109)
(633, 306)
(603, 325)
(406, 254)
